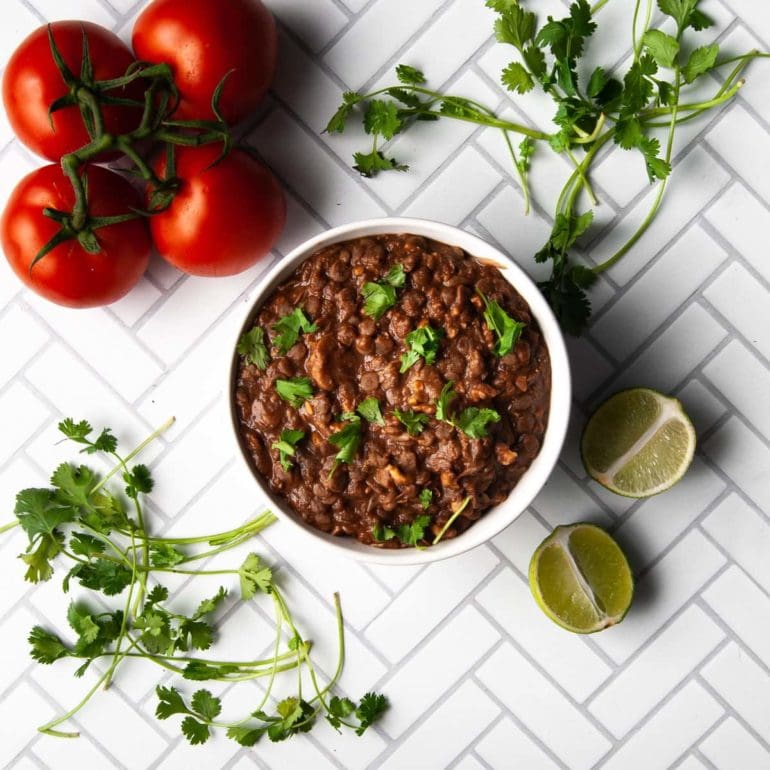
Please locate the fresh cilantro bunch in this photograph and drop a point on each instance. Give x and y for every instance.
(104, 535)
(604, 107)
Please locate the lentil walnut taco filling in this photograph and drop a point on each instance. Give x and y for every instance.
(393, 389)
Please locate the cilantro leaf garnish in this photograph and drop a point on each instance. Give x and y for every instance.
(382, 118)
(252, 347)
(40, 515)
(286, 446)
(289, 328)
(196, 732)
(414, 422)
(701, 61)
(369, 164)
(340, 118)
(409, 75)
(408, 534)
(45, 646)
(254, 577)
(473, 421)
(296, 390)
(370, 710)
(347, 439)
(396, 276)
(426, 497)
(170, 702)
(506, 329)
(662, 47)
(165, 555)
(369, 409)
(444, 402)
(517, 78)
(423, 342)
(379, 297)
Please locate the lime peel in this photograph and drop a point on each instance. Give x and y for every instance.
(581, 579)
(654, 460)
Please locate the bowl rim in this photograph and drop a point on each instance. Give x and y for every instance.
(500, 516)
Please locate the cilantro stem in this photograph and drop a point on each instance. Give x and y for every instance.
(47, 728)
(648, 220)
(8, 527)
(176, 571)
(696, 106)
(274, 669)
(638, 37)
(131, 455)
(252, 527)
(521, 174)
(744, 57)
(571, 190)
(451, 520)
(491, 122)
(124, 622)
(209, 662)
(583, 178)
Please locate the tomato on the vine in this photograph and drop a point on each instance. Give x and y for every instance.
(32, 83)
(223, 218)
(70, 275)
(203, 41)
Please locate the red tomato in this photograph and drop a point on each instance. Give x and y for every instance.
(202, 41)
(32, 82)
(69, 275)
(224, 218)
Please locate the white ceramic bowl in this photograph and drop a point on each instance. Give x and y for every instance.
(497, 518)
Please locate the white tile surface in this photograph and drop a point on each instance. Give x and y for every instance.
(542, 708)
(508, 745)
(573, 663)
(669, 732)
(744, 684)
(664, 663)
(476, 675)
(662, 592)
(732, 745)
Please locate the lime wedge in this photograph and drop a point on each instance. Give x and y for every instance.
(580, 578)
(638, 443)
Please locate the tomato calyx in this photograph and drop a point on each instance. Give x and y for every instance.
(84, 234)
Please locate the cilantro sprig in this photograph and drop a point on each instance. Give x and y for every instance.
(252, 347)
(287, 446)
(414, 422)
(288, 329)
(295, 391)
(409, 534)
(103, 533)
(473, 421)
(423, 342)
(604, 107)
(347, 440)
(380, 296)
(506, 329)
(370, 410)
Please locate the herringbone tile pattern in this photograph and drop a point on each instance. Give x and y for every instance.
(477, 676)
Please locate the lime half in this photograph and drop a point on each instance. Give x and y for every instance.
(638, 443)
(580, 578)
